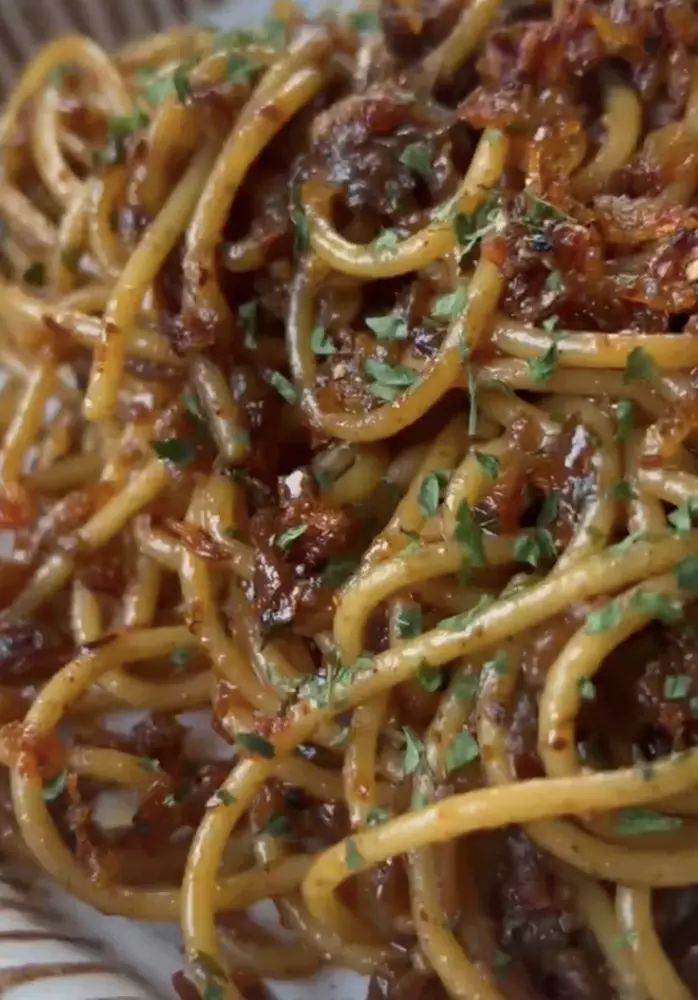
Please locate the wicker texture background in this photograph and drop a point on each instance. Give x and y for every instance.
(27, 24)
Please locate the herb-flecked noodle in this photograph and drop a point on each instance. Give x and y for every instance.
(348, 400)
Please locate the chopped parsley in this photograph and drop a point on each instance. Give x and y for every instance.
(376, 816)
(386, 241)
(284, 387)
(677, 687)
(239, 68)
(247, 314)
(301, 237)
(54, 789)
(429, 495)
(681, 519)
(417, 157)
(586, 688)
(457, 622)
(466, 686)
(180, 657)
(539, 211)
(635, 822)
(429, 678)
(471, 229)
(388, 381)
(220, 798)
(488, 463)
(665, 609)
(178, 451)
(149, 763)
(414, 748)
(337, 572)
(365, 21)
(462, 750)
(535, 548)
(256, 744)
(540, 369)
(408, 621)
(625, 410)
(181, 83)
(390, 327)
(687, 573)
(605, 618)
(353, 859)
(468, 533)
(285, 540)
(320, 342)
(553, 282)
(621, 490)
(276, 826)
(499, 665)
(639, 367)
(119, 128)
(451, 304)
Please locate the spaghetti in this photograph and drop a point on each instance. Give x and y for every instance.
(348, 401)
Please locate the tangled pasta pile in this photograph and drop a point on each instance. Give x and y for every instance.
(349, 399)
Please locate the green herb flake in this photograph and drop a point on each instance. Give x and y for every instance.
(622, 941)
(553, 282)
(376, 816)
(621, 490)
(276, 826)
(550, 323)
(639, 367)
(390, 327)
(468, 533)
(181, 657)
(664, 609)
(337, 572)
(256, 744)
(178, 451)
(247, 314)
(54, 789)
(499, 665)
(501, 964)
(417, 157)
(212, 991)
(586, 688)
(488, 463)
(429, 678)
(386, 241)
(414, 749)
(365, 21)
(625, 412)
(676, 688)
(462, 750)
(541, 369)
(693, 707)
(285, 540)
(301, 229)
(429, 494)
(535, 548)
(149, 763)
(450, 305)
(408, 621)
(320, 342)
(239, 68)
(389, 381)
(681, 519)
(471, 229)
(687, 573)
(220, 798)
(352, 858)
(458, 622)
(638, 821)
(180, 79)
(605, 618)
(285, 389)
(466, 686)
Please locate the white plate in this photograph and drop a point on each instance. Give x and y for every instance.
(52, 945)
